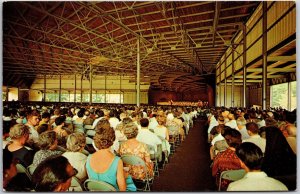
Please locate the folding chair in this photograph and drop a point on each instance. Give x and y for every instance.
(75, 185)
(89, 130)
(166, 153)
(22, 169)
(156, 156)
(93, 185)
(232, 175)
(137, 161)
(30, 169)
(174, 137)
(78, 128)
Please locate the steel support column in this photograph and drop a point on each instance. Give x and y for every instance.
(59, 94)
(217, 93)
(120, 89)
(220, 85)
(138, 73)
(91, 84)
(105, 89)
(225, 80)
(44, 94)
(232, 76)
(265, 56)
(244, 64)
(7, 91)
(289, 106)
(18, 93)
(81, 88)
(75, 89)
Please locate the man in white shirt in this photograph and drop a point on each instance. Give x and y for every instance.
(252, 129)
(113, 120)
(33, 121)
(146, 136)
(100, 115)
(153, 122)
(241, 124)
(251, 158)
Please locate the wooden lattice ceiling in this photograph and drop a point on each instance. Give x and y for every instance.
(180, 40)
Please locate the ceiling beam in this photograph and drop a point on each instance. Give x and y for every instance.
(284, 70)
(216, 20)
(281, 58)
(259, 76)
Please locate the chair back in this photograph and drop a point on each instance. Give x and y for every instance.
(75, 185)
(22, 169)
(232, 175)
(137, 161)
(173, 129)
(93, 185)
(152, 152)
(31, 169)
(133, 160)
(155, 154)
(78, 128)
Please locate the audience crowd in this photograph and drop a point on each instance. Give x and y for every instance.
(61, 142)
(262, 142)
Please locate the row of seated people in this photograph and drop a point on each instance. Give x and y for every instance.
(132, 135)
(273, 154)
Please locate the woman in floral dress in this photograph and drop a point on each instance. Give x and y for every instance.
(134, 147)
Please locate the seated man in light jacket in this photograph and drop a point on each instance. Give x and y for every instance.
(251, 158)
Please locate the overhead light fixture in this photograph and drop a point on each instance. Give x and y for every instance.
(198, 45)
(173, 48)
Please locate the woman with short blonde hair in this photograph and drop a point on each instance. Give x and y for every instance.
(19, 134)
(76, 142)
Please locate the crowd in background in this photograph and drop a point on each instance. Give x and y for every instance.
(263, 142)
(87, 142)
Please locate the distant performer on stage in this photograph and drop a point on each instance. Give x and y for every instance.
(171, 102)
(200, 103)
